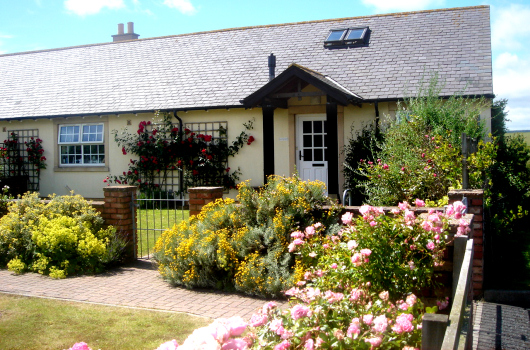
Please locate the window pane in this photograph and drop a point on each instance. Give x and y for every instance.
(317, 127)
(308, 155)
(325, 154)
(325, 126)
(318, 140)
(318, 155)
(335, 35)
(307, 141)
(69, 133)
(306, 127)
(92, 133)
(355, 34)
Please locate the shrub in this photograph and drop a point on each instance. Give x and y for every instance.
(356, 293)
(61, 237)
(419, 156)
(242, 246)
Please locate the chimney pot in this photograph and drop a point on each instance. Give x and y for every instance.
(121, 36)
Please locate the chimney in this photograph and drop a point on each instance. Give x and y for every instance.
(272, 66)
(121, 36)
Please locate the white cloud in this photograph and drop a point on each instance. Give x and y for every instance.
(519, 118)
(184, 6)
(510, 28)
(91, 7)
(404, 5)
(511, 80)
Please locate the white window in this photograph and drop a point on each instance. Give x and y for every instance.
(81, 144)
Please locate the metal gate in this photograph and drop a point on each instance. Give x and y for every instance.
(154, 214)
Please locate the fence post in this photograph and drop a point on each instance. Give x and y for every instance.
(200, 196)
(433, 329)
(118, 212)
(476, 207)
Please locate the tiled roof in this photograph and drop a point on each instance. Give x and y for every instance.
(220, 68)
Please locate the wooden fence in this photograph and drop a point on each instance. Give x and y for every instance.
(454, 331)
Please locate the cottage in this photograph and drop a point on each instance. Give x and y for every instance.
(304, 85)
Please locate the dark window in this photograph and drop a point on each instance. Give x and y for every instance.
(348, 36)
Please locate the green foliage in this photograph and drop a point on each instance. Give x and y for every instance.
(362, 145)
(63, 236)
(419, 156)
(507, 204)
(161, 148)
(356, 291)
(243, 246)
(438, 116)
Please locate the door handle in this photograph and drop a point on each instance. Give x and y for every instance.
(300, 155)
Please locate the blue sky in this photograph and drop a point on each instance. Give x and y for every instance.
(27, 25)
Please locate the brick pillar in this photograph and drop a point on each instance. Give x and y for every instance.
(200, 196)
(475, 206)
(117, 211)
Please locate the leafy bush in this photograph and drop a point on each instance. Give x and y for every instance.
(356, 294)
(243, 246)
(362, 145)
(420, 155)
(61, 237)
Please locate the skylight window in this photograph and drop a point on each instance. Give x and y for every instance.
(346, 36)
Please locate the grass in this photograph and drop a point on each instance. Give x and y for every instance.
(35, 323)
(152, 222)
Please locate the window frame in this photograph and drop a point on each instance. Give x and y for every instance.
(343, 41)
(82, 143)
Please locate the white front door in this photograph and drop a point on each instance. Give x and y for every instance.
(311, 147)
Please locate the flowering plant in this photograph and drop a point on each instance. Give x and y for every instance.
(356, 291)
(162, 148)
(35, 151)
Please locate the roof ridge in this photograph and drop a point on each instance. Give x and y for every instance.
(249, 27)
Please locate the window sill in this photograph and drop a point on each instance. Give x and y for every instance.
(82, 168)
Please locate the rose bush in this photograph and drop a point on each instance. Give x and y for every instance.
(356, 291)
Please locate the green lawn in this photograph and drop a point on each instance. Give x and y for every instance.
(35, 323)
(152, 222)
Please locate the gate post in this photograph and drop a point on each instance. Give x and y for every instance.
(118, 212)
(476, 207)
(200, 196)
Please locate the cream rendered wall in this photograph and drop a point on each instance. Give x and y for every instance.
(283, 158)
(88, 181)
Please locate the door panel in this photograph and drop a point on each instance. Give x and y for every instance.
(311, 147)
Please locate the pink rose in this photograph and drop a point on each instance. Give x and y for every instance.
(298, 311)
(367, 319)
(403, 205)
(352, 245)
(235, 344)
(354, 329)
(297, 234)
(81, 346)
(380, 324)
(430, 246)
(384, 295)
(309, 344)
(236, 325)
(310, 231)
(258, 320)
(347, 218)
(284, 345)
(334, 266)
(375, 341)
(419, 203)
(170, 345)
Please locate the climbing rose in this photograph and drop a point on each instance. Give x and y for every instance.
(375, 342)
(354, 329)
(380, 324)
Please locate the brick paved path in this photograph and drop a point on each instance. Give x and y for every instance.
(137, 285)
(501, 327)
